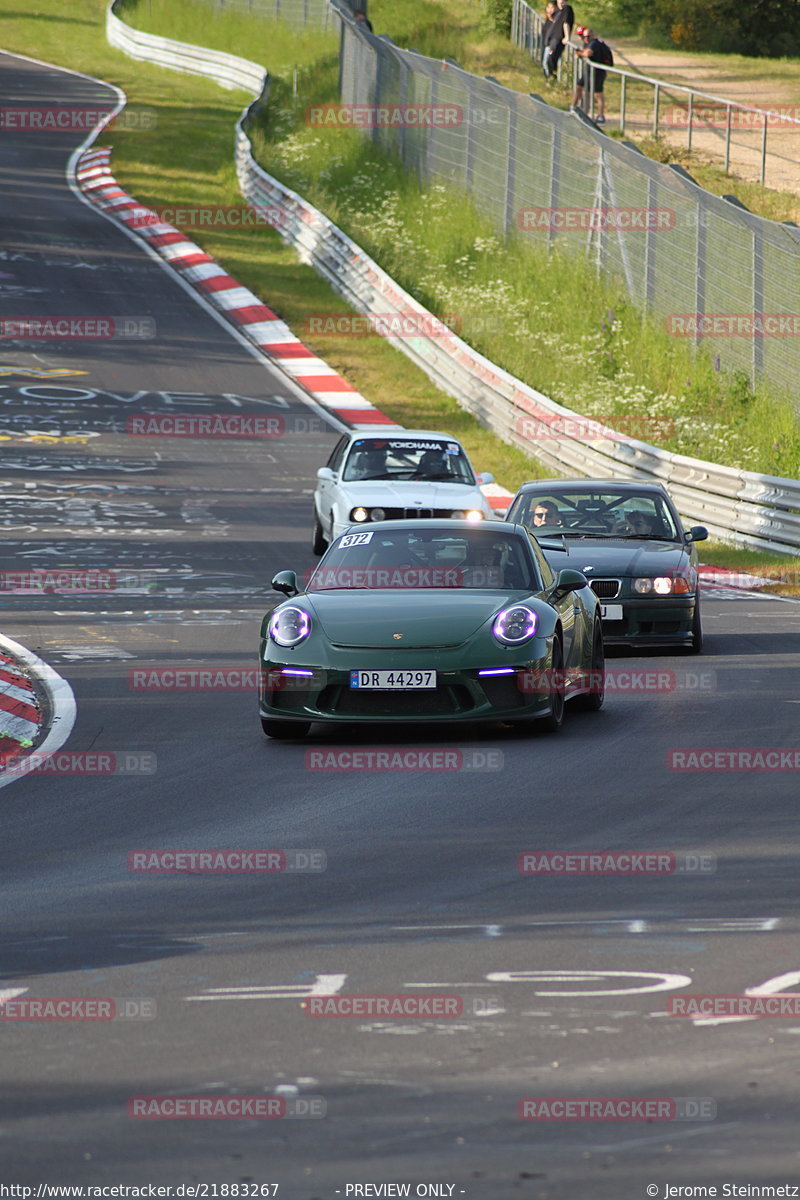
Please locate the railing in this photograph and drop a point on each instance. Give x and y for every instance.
(760, 511)
(698, 113)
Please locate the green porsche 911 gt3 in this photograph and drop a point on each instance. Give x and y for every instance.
(430, 621)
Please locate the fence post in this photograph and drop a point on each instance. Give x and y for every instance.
(622, 104)
(555, 172)
(758, 302)
(764, 152)
(691, 114)
(656, 95)
(728, 138)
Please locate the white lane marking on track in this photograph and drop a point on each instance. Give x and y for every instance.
(10, 993)
(770, 987)
(323, 985)
(665, 982)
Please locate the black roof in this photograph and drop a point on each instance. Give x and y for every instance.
(591, 485)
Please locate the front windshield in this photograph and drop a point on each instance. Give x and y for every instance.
(434, 459)
(581, 512)
(435, 557)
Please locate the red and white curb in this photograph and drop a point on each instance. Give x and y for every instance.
(21, 716)
(259, 324)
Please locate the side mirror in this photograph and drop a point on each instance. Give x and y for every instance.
(286, 582)
(485, 477)
(568, 580)
(698, 533)
(325, 473)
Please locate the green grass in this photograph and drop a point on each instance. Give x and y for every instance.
(568, 333)
(547, 318)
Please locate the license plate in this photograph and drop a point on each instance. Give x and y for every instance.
(611, 612)
(390, 681)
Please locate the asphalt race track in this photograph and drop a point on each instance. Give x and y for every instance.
(556, 975)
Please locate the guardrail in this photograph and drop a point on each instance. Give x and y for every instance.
(526, 32)
(760, 511)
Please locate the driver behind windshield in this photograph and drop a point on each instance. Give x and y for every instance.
(370, 464)
(641, 522)
(545, 512)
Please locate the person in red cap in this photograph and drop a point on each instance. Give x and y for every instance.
(597, 52)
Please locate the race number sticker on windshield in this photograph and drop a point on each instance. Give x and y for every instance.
(355, 539)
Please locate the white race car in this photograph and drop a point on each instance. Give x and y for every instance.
(395, 475)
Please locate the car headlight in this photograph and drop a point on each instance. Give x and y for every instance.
(359, 514)
(458, 515)
(663, 585)
(515, 625)
(378, 514)
(474, 515)
(289, 626)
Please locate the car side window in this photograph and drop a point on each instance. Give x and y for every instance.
(335, 460)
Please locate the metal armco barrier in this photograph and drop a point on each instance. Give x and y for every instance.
(758, 511)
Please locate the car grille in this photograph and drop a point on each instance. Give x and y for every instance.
(436, 702)
(410, 514)
(606, 589)
(503, 691)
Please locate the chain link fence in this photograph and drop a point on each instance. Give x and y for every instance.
(717, 275)
(744, 136)
(300, 14)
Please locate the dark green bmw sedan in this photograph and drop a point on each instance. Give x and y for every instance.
(627, 538)
(430, 621)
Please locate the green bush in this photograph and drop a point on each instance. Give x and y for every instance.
(760, 29)
(498, 14)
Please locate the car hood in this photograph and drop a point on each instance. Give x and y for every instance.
(615, 558)
(406, 494)
(438, 617)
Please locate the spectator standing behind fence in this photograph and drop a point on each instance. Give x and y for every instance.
(597, 52)
(364, 20)
(547, 22)
(558, 35)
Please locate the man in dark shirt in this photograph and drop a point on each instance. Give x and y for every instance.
(558, 35)
(597, 52)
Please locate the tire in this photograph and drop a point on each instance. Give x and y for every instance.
(555, 718)
(697, 630)
(319, 543)
(593, 701)
(285, 729)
